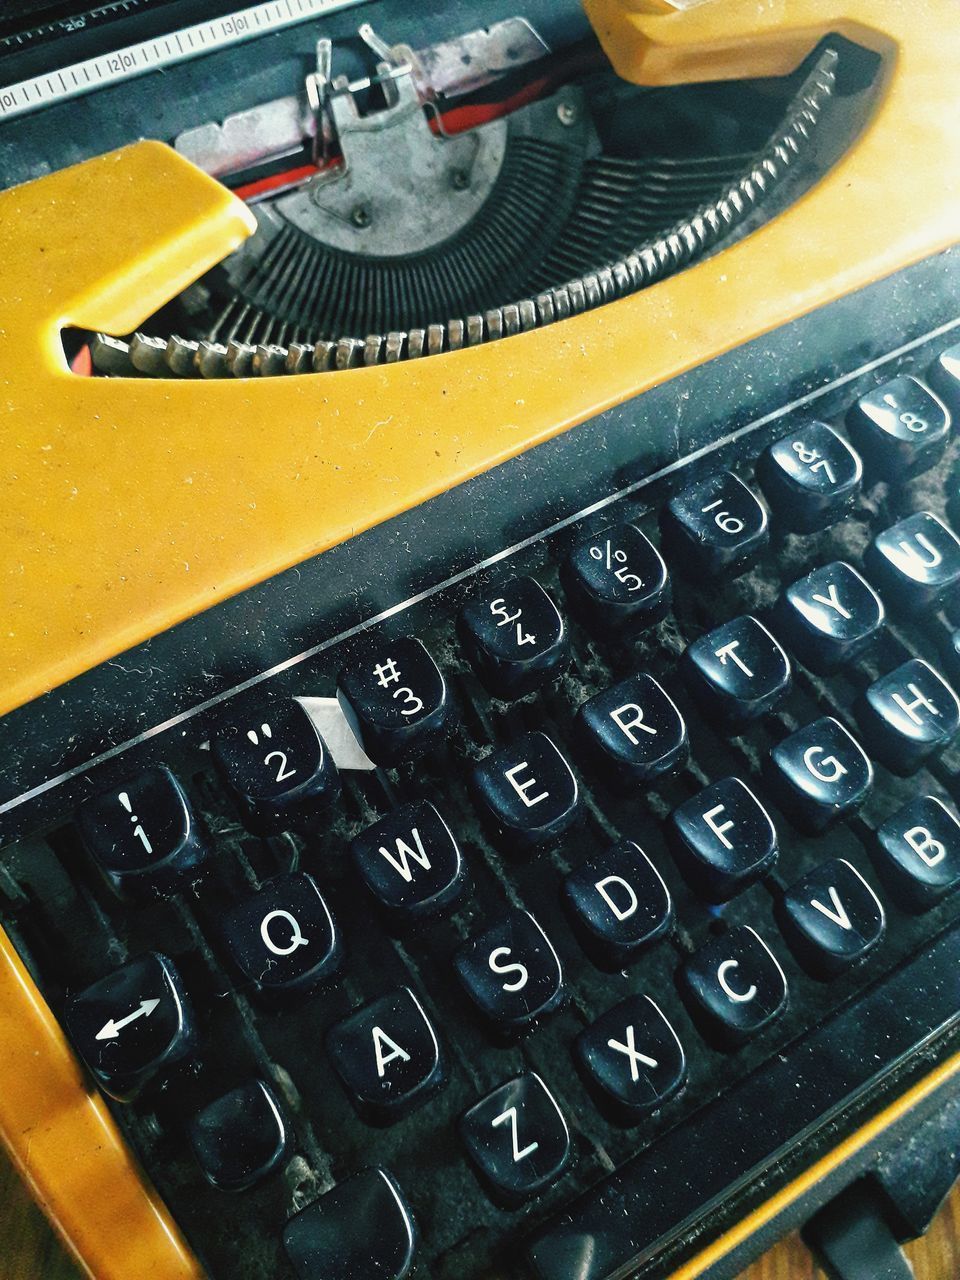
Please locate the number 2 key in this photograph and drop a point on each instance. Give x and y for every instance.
(277, 766)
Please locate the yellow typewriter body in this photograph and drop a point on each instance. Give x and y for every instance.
(130, 505)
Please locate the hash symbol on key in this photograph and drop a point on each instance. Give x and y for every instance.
(386, 673)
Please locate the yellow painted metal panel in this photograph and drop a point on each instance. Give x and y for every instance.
(126, 506)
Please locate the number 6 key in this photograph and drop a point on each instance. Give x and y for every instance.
(715, 526)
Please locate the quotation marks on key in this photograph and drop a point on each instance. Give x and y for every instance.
(283, 769)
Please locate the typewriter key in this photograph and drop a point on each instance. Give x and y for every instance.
(511, 972)
(635, 727)
(361, 1227)
(737, 672)
(517, 1139)
(734, 985)
(716, 527)
(132, 1024)
(526, 792)
(918, 852)
(277, 766)
(387, 1056)
(819, 774)
(396, 700)
(632, 1058)
(901, 429)
(831, 918)
(908, 715)
(617, 580)
(239, 1139)
(283, 938)
(514, 636)
(619, 904)
(142, 835)
(830, 617)
(723, 839)
(811, 478)
(411, 863)
(916, 563)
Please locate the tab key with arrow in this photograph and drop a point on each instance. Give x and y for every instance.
(112, 1028)
(132, 1024)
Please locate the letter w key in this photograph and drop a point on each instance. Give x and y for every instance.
(404, 854)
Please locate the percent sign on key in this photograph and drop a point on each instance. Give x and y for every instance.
(609, 556)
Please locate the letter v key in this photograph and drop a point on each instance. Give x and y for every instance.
(838, 915)
(834, 891)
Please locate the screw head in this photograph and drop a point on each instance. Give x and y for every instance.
(567, 113)
(459, 179)
(360, 216)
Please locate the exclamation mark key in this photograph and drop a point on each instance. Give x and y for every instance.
(142, 836)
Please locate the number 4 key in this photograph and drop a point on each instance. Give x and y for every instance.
(514, 636)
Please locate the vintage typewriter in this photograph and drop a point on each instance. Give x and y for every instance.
(481, 570)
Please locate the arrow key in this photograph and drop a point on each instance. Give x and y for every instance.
(131, 1024)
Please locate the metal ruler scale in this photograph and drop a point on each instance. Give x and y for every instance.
(160, 51)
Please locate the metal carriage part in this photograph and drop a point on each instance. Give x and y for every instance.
(564, 229)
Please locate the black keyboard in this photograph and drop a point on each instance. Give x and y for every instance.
(640, 899)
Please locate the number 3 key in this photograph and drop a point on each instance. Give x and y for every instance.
(396, 700)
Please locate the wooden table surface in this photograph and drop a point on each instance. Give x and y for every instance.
(29, 1251)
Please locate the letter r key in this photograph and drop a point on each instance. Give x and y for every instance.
(635, 728)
